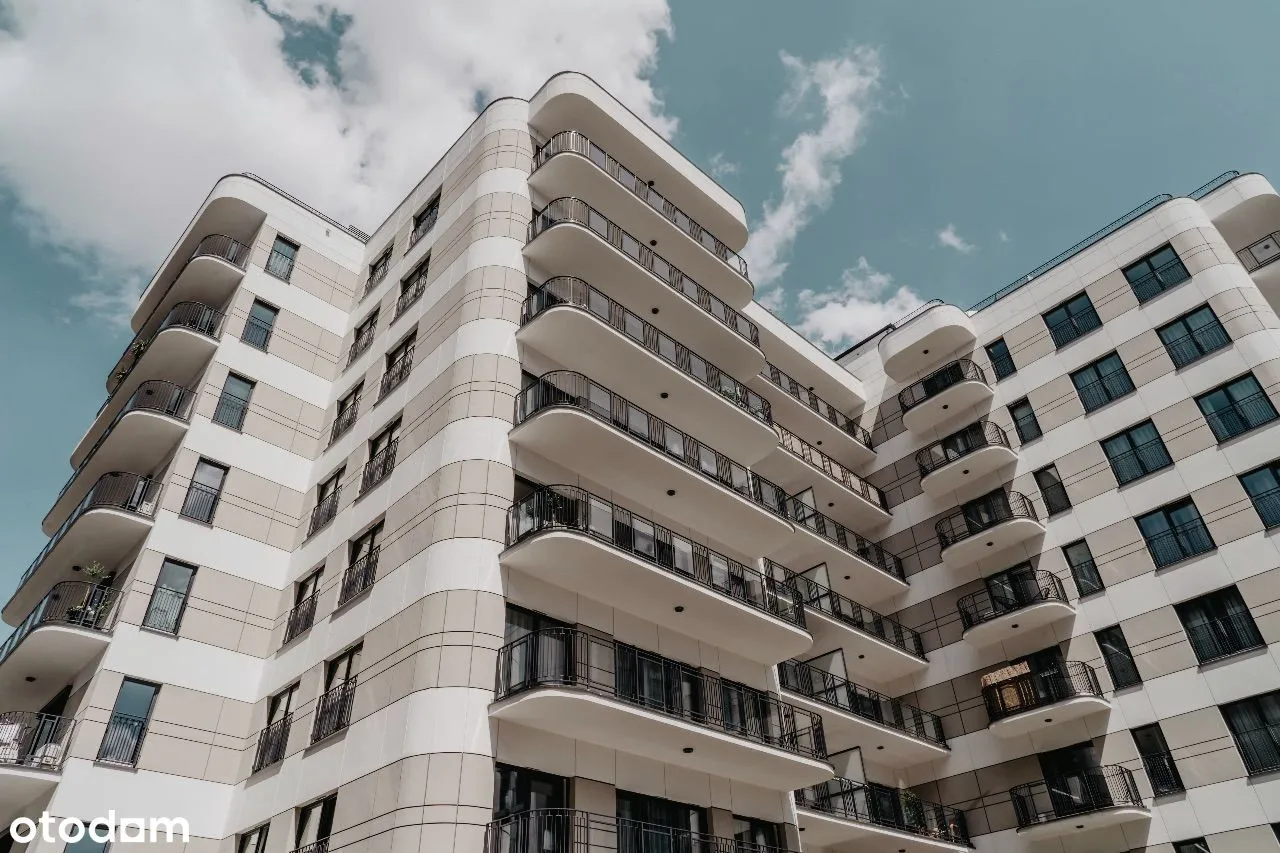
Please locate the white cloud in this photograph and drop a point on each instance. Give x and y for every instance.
(1004, 238)
(864, 301)
(950, 238)
(720, 167)
(115, 119)
(810, 165)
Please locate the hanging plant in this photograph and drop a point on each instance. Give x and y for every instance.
(94, 570)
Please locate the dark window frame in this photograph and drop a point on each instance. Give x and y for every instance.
(263, 329)
(1194, 343)
(1145, 271)
(1019, 423)
(1190, 538)
(1119, 679)
(1060, 500)
(1135, 453)
(1002, 364)
(1095, 584)
(1078, 320)
(1101, 383)
(1214, 417)
(1266, 502)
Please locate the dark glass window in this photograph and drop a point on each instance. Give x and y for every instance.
(1072, 319)
(1193, 336)
(1237, 407)
(1101, 382)
(169, 598)
(1001, 359)
(1024, 421)
(1255, 726)
(259, 325)
(1218, 624)
(204, 490)
(1157, 760)
(1194, 845)
(1136, 452)
(233, 404)
(1175, 532)
(426, 220)
(1083, 569)
(127, 726)
(280, 261)
(1263, 487)
(1156, 273)
(1052, 490)
(657, 814)
(517, 790)
(1118, 658)
(315, 822)
(253, 841)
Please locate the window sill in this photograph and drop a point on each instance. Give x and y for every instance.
(1107, 404)
(1184, 560)
(1231, 657)
(172, 635)
(1222, 442)
(1126, 483)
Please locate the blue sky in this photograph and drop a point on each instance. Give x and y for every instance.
(1038, 122)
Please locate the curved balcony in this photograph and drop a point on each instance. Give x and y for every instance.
(1001, 612)
(814, 419)
(32, 749)
(850, 499)
(570, 831)
(580, 424)
(1030, 702)
(140, 437)
(875, 647)
(210, 275)
(925, 337)
(942, 395)
(65, 631)
(108, 525)
(571, 164)
(855, 565)
(1085, 800)
(577, 541)
(963, 459)
(577, 326)
(876, 817)
(890, 732)
(987, 526)
(569, 237)
(581, 686)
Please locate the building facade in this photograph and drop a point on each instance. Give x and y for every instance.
(517, 526)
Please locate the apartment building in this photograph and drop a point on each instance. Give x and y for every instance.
(517, 526)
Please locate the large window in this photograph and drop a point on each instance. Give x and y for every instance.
(1136, 452)
(315, 825)
(127, 726)
(1101, 382)
(413, 286)
(1071, 319)
(1263, 486)
(1193, 336)
(1001, 359)
(1117, 657)
(169, 598)
(1083, 569)
(1157, 760)
(253, 841)
(259, 325)
(305, 594)
(362, 565)
(328, 495)
(1219, 624)
(333, 707)
(1237, 407)
(347, 412)
(233, 404)
(204, 491)
(1255, 725)
(378, 270)
(1156, 273)
(1052, 490)
(1175, 532)
(1024, 421)
(280, 261)
(657, 814)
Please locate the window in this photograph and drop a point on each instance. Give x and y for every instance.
(253, 841)
(1263, 487)
(280, 261)
(348, 411)
(333, 708)
(273, 740)
(426, 220)
(752, 834)
(362, 566)
(412, 288)
(1136, 452)
(204, 491)
(518, 791)
(399, 363)
(678, 818)
(261, 322)
(86, 844)
(1024, 421)
(1001, 359)
(1071, 319)
(1237, 407)
(1218, 625)
(378, 270)
(1255, 726)
(1052, 490)
(1175, 532)
(169, 598)
(382, 456)
(364, 336)
(1154, 274)
(1194, 845)
(128, 723)
(328, 494)
(1157, 760)
(342, 669)
(1193, 336)
(1117, 657)
(1083, 570)
(1101, 382)
(315, 825)
(303, 613)
(234, 402)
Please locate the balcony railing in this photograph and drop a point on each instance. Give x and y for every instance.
(1159, 280)
(1163, 773)
(880, 805)
(1022, 590)
(78, 604)
(231, 411)
(164, 611)
(1241, 416)
(569, 831)
(1146, 458)
(1065, 331)
(1040, 689)
(817, 597)
(193, 316)
(224, 248)
(424, 223)
(301, 617)
(279, 265)
(1261, 252)
(967, 522)
(576, 293)
(578, 212)
(412, 292)
(563, 657)
(566, 389)
(1223, 637)
(256, 333)
(397, 373)
(34, 740)
(844, 538)
(379, 466)
(362, 341)
(571, 141)
(1196, 344)
(1259, 748)
(122, 742)
(359, 576)
(333, 710)
(273, 743)
(200, 503)
(1180, 543)
(377, 273)
(960, 444)
(325, 510)
(830, 689)
(815, 458)
(817, 404)
(962, 370)
(1098, 393)
(1268, 506)
(1074, 794)
(571, 508)
(344, 420)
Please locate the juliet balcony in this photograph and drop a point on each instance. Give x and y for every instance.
(1026, 602)
(583, 543)
(579, 327)
(856, 566)
(987, 526)
(795, 464)
(568, 237)
(33, 747)
(871, 817)
(1081, 801)
(924, 338)
(961, 461)
(948, 392)
(1023, 701)
(570, 831)
(595, 689)
(813, 419)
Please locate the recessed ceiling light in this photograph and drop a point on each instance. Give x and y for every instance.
(653, 242)
(671, 493)
(664, 395)
(679, 608)
(653, 310)
(687, 750)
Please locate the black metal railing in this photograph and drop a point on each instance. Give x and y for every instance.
(256, 333)
(571, 508)
(361, 342)
(1224, 636)
(300, 618)
(273, 743)
(1196, 344)
(1028, 427)
(195, 316)
(333, 710)
(824, 409)
(412, 292)
(397, 373)
(571, 141)
(1055, 498)
(1084, 791)
(79, 604)
(230, 411)
(1241, 416)
(1180, 543)
(1259, 748)
(1260, 252)
(122, 741)
(1021, 590)
(576, 293)
(971, 521)
(379, 466)
(844, 538)
(830, 689)
(359, 576)
(344, 420)
(1268, 506)
(325, 510)
(378, 272)
(960, 444)
(164, 611)
(566, 389)
(880, 805)
(425, 222)
(564, 657)
(817, 597)
(1098, 393)
(1065, 331)
(1002, 366)
(1085, 574)
(201, 502)
(1034, 690)
(279, 265)
(1163, 773)
(1159, 280)
(815, 458)
(570, 831)
(321, 846)
(1140, 461)
(34, 740)
(224, 248)
(578, 212)
(961, 370)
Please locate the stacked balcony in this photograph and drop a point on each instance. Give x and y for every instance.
(795, 464)
(60, 636)
(961, 461)
(868, 816)
(987, 526)
(1028, 602)
(948, 392)
(33, 747)
(857, 567)
(924, 338)
(1088, 799)
(814, 420)
(1022, 701)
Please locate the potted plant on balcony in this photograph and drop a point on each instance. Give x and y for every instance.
(912, 809)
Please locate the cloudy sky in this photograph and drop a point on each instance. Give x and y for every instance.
(886, 153)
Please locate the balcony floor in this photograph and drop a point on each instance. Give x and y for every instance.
(947, 405)
(963, 477)
(1058, 714)
(883, 745)
(842, 834)
(794, 474)
(849, 574)
(813, 427)
(1019, 622)
(1059, 827)
(868, 658)
(991, 541)
(54, 654)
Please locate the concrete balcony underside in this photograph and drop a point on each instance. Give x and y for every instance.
(21, 786)
(844, 834)
(833, 497)
(986, 543)
(866, 656)
(925, 341)
(882, 744)
(850, 575)
(207, 279)
(1042, 719)
(813, 427)
(968, 472)
(1060, 827)
(52, 654)
(946, 405)
(1020, 622)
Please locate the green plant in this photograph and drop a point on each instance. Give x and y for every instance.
(94, 569)
(912, 808)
